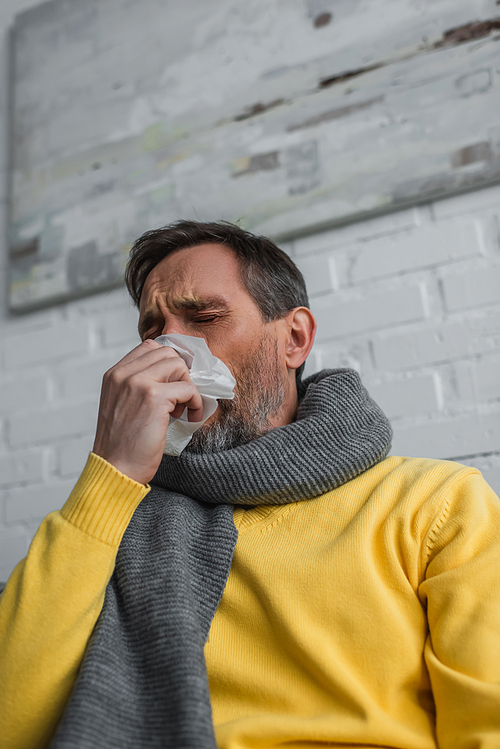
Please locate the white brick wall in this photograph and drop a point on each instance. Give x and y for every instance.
(355, 310)
(411, 300)
(414, 306)
(472, 288)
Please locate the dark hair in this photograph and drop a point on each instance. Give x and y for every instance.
(270, 277)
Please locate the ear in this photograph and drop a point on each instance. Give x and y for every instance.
(301, 331)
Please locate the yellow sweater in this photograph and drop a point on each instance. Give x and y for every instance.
(369, 616)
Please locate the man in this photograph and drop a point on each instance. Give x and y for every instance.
(283, 582)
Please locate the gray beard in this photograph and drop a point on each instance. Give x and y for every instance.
(260, 393)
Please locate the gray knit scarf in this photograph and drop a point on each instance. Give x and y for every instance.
(143, 681)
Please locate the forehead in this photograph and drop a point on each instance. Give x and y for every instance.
(194, 272)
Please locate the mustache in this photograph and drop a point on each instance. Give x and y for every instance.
(259, 394)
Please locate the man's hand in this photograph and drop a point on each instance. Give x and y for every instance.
(138, 396)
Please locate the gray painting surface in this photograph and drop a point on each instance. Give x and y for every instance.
(284, 115)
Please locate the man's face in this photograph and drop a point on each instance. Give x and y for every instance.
(198, 292)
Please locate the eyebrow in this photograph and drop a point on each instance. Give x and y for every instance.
(192, 303)
(187, 303)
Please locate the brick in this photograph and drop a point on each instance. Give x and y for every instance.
(44, 425)
(479, 381)
(4, 176)
(450, 439)
(23, 394)
(457, 387)
(409, 397)
(13, 548)
(439, 343)
(471, 201)
(73, 456)
(374, 310)
(33, 347)
(354, 355)
(121, 327)
(98, 304)
(475, 288)
(42, 320)
(343, 235)
(84, 378)
(487, 376)
(319, 273)
(21, 466)
(35, 502)
(425, 247)
(350, 353)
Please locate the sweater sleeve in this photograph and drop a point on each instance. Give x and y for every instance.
(53, 599)
(462, 593)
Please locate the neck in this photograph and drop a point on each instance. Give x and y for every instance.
(288, 410)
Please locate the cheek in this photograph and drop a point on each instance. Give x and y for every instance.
(236, 346)
(261, 362)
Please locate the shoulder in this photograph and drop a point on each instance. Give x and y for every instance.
(426, 486)
(430, 504)
(442, 489)
(426, 474)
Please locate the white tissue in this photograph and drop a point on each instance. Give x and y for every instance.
(212, 378)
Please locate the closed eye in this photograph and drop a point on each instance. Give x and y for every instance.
(153, 333)
(206, 318)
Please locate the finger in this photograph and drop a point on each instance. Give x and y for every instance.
(144, 348)
(158, 369)
(194, 414)
(147, 357)
(186, 395)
